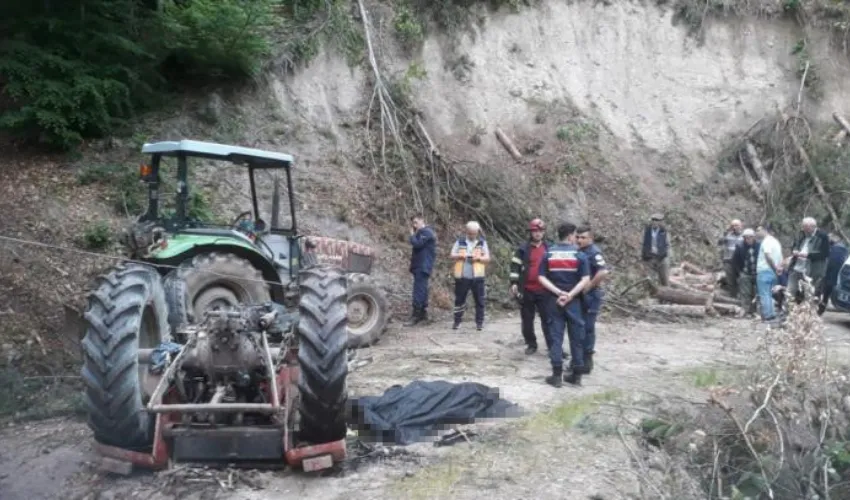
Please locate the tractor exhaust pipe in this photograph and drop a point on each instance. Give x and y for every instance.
(275, 222)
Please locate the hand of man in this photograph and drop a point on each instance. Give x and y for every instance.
(564, 299)
(802, 254)
(795, 253)
(412, 231)
(514, 290)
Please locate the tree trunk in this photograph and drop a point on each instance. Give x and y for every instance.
(678, 310)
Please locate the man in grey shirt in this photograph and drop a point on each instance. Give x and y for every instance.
(728, 244)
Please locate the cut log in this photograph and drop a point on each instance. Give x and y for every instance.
(693, 268)
(722, 298)
(508, 145)
(678, 310)
(670, 294)
(757, 165)
(727, 309)
(841, 121)
(818, 184)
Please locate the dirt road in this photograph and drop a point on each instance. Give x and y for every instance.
(569, 446)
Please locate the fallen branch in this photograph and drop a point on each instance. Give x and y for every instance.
(754, 187)
(758, 167)
(508, 145)
(818, 184)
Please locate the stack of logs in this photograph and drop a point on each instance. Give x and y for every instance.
(693, 292)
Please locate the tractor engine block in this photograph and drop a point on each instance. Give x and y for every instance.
(225, 348)
(228, 361)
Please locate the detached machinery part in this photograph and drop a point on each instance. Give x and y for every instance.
(368, 311)
(126, 312)
(322, 354)
(214, 281)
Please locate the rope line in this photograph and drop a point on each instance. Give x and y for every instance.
(21, 241)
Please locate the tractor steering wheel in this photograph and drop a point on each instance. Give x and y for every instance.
(238, 219)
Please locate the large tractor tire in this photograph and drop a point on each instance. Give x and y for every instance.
(217, 281)
(322, 354)
(126, 312)
(368, 311)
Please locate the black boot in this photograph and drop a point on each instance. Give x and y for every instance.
(555, 380)
(415, 317)
(588, 362)
(574, 378)
(530, 350)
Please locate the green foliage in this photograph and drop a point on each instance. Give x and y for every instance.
(408, 28)
(97, 236)
(218, 38)
(80, 68)
(452, 17)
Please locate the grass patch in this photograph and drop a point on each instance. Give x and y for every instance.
(435, 481)
(708, 376)
(569, 413)
(37, 398)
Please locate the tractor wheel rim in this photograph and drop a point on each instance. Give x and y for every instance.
(149, 338)
(362, 314)
(216, 297)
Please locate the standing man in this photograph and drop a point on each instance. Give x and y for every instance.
(656, 249)
(470, 255)
(744, 261)
(837, 257)
(592, 294)
(564, 272)
(525, 265)
(728, 243)
(768, 269)
(808, 258)
(423, 241)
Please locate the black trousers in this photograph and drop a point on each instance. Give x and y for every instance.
(530, 303)
(462, 288)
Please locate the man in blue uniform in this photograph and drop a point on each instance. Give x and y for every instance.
(564, 271)
(423, 242)
(837, 257)
(592, 294)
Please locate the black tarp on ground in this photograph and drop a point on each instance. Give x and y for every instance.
(419, 410)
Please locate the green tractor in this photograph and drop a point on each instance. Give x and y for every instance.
(250, 261)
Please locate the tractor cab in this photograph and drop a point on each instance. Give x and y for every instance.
(167, 237)
(255, 255)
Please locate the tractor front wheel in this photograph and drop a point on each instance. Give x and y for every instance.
(126, 312)
(215, 281)
(368, 311)
(322, 354)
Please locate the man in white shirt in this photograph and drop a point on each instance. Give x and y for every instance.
(768, 268)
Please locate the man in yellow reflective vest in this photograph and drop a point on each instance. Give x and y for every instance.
(470, 255)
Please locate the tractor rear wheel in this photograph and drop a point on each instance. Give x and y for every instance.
(126, 312)
(368, 311)
(322, 354)
(220, 281)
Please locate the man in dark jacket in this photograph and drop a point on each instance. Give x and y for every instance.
(744, 262)
(532, 297)
(656, 248)
(423, 241)
(809, 255)
(837, 257)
